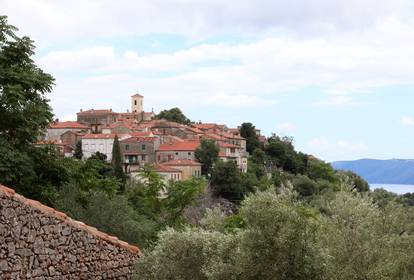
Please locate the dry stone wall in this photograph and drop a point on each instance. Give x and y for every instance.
(40, 243)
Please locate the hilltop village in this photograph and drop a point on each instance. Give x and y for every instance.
(169, 147)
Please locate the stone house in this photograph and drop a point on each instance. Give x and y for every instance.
(56, 129)
(117, 128)
(177, 150)
(138, 151)
(97, 118)
(63, 149)
(166, 172)
(70, 138)
(234, 153)
(189, 168)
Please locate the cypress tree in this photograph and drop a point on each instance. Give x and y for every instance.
(117, 163)
(78, 150)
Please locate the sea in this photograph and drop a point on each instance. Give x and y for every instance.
(399, 189)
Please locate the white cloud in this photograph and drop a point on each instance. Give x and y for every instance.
(286, 128)
(341, 47)
(336, 150)
(241, 74)
(407, 121)
(337, 101)
(77, 19)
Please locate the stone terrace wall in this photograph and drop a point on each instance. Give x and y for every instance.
(38, 242)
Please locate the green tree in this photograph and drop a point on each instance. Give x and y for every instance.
(278, 240)
(354, 180)
(365, 242)
(173, 115)
(193, 251)
(207, 154)
(78, 150)
(24, 109)
(109, 213)
(248, 131)
(226, 181)
(317, 169)
(117, 163)
(281, 154)
(98, 156)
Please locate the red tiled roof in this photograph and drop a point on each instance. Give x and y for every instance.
(68, 124)
(158, 167)
(124, 124)
(212, 136)
(63, 217)
(228, 135)
(227, 145)
(182, 162)
(138, 139)
(103, 136)
(205, 126)
(193, 129)
(180, 146)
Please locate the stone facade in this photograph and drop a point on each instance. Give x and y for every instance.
(40, 243)
(138, 151)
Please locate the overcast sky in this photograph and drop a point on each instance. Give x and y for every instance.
(338, 75)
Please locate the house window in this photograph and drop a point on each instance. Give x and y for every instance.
(189, 153)
(101, 147)
(143, 157)
(93, 147)
(176, 154)
(232, 150)
(135, 102)
(143, 147)
(127, 147)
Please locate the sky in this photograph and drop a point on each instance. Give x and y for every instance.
(336, 75)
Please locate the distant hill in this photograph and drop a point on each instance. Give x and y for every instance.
(393, 171)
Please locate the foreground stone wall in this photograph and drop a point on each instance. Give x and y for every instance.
(38, 242)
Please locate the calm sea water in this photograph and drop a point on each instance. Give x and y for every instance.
(400, 189)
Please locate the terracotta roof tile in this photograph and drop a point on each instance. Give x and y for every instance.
(103, 136)
(180, 146)
(182, 162)
(138, 139)
(68, 124)
(158, 167)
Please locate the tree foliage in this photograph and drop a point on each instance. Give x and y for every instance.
(173, 115)
(117, 163)
(207, 154)
(248, 131)
(282, 237)
(78, 150)
(24, 113)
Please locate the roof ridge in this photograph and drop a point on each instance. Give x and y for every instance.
(65, 218)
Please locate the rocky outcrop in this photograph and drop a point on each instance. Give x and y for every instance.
(38, 242)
